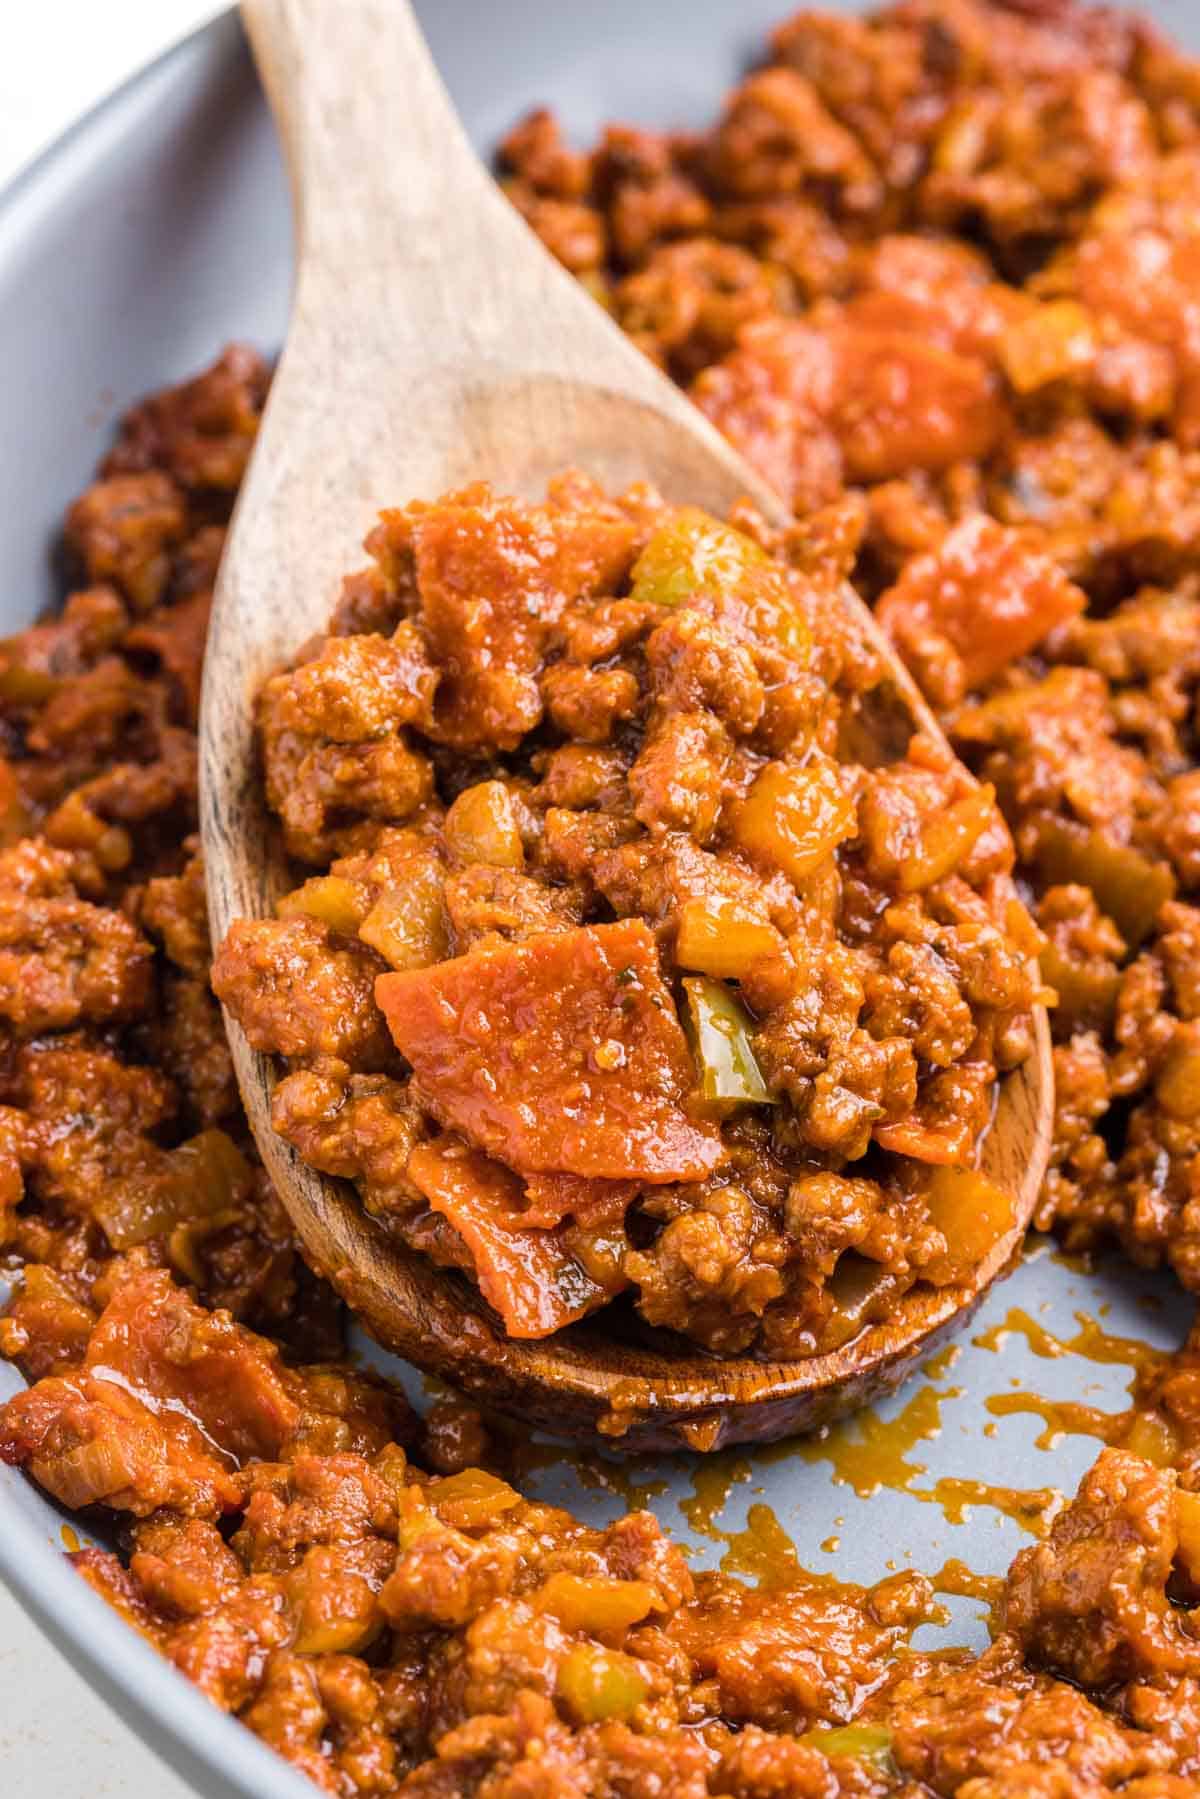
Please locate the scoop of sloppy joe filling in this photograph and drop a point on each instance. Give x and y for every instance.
(627, 966)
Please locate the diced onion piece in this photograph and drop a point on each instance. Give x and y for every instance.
(1177, 1084)
(21, 686)
(44, 1308)
(335, 1610)
(74, 826)
(946, 838)
(332, 900)
(1087, 989)
(1129, 886)
(595, 1603)
(201, 1179)
(391, 1467)
(971, 1212)
(720, 1030)
(471, 1498)
(596, 1684)
(1155, 1439)
(215, 1166)
(719, 936)
(1051, 343)
(87, 1473)
(482, 826)
(793, 818)
(407, 924)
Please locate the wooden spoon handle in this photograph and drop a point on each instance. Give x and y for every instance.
(427, 316)
(382, 171)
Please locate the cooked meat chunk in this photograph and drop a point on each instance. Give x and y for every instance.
(300, 991)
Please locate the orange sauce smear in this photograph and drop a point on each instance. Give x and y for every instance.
(1146, 1433)
(1091, 1341)
(712, 1482)
(763, 1552)
(958, 1581)
(867, 1452)
(1033, 1508)
(1142, 1429)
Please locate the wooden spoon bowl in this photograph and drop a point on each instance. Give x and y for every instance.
(433, 341)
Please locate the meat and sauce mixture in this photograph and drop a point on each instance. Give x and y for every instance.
(625, 973)
(946, 257)
(937, 272)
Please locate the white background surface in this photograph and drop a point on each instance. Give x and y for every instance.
(57, 1739)
(60, 56)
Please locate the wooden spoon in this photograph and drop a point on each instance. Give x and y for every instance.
(433, 341)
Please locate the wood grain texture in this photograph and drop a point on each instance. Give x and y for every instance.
(433, 341)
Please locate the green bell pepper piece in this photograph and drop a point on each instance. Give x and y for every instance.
(721, 1027)
(871, 1743)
